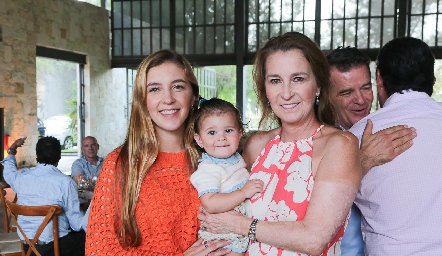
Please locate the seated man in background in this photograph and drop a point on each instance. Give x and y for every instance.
(352, 97)
(89, 165)
(401, 200)
(46, 185)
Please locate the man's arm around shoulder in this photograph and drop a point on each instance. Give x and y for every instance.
(383, 146)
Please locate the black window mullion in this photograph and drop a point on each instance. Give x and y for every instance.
(437, 23)
(369, 22)
(161, 23)
(131, 29)
(204, 27)
(257, 22)
(214, 26)
(332, 23)
(194, 27)
(280, 18)
(184, 27)
(344, 18)
(141, 29)
(172, 29)
(382, 23)
(122, 29)
(303, 17)
(225, 25)
(292, 17)
(151, 26)
(318, 22)
(268, 20)
(423, 19)
(395, 18)
(357, 24)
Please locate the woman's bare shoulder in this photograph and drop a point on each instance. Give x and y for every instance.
(256, 142)
(338, 156)
(261, 138)
(330, 136)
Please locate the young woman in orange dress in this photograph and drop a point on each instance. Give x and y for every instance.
(144, 203)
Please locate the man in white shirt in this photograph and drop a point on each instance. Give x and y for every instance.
(401, 200)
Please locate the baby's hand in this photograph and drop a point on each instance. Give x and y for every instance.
(252, 187)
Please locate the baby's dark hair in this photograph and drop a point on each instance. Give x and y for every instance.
(216, 106)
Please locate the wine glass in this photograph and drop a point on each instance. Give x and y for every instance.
(83, 184)
(94, 181)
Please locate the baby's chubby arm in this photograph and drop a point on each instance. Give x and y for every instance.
(223, 202)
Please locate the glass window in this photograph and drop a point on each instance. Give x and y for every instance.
(136, 15)
(350, 32)
(117, 39)
(127, 42)
(416, 26)
(437, 89)
(363, 25)
(430, 28)
(376, 7)
(351, 8)
(375, 28)
(416, 6)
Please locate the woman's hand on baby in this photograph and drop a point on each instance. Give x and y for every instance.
(252, 187)
(221, 223)
(212, 248)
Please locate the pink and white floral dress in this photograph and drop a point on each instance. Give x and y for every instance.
(286, 169)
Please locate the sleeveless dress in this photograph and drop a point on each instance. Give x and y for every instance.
(286, 170)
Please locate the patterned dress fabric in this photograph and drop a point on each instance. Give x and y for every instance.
(286, 169)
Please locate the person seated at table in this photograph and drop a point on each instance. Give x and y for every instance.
(45, 185)
(89, 165)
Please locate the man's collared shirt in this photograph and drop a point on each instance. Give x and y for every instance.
(44, 185)
(81, 165)
(401, 201)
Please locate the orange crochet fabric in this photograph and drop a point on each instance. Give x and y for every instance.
(166, 211)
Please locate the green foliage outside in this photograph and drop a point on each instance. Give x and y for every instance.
(226, 83)
(226, 90)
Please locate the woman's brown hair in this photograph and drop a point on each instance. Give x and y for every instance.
(140, 149)
(318, 62)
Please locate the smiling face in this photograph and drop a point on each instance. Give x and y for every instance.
(169, 98)
(351, 94)
(290, 86)
(219, 135)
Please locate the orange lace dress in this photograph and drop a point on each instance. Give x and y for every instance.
(166, 211)
(286, 170)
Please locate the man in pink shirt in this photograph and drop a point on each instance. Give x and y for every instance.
(401, 200)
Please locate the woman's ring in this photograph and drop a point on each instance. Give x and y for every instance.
(205, 243)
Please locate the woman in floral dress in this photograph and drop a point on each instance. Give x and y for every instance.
(311, 170)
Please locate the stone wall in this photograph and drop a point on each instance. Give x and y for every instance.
(67, 25)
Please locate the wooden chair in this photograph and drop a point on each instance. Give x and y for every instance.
(9, 227)
(48, 212)
(10, 244)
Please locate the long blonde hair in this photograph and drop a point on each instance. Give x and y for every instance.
(140, 148)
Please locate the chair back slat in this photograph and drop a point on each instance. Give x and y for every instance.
(49, 212)
(6, 217)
